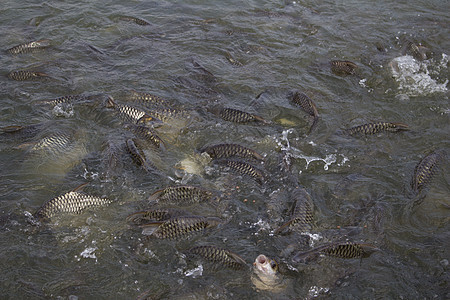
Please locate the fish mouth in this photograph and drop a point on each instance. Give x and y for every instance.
(261, 259)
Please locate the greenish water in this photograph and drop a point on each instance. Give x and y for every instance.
(357, 182)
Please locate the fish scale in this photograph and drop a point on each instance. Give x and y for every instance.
(137, 154)
(182, 194)
(29, 47)
(55, 144)
(343, 67)
(302, 214)
(239, 116)
(64, 99)
(245, 169)
(147, 99)
(372, 128)
(130, 113)
(230, 150)
(425, 170)
(156, 214)
(25, 75)
(71, 202)
(345, 251)
(146, 134)
(305, 103)
(180, 226)
(220, 256)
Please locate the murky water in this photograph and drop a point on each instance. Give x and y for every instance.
(360, 186)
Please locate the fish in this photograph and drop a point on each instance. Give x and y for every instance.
(179, 226)
(23, 75)
(308, 106)
(147, 134)
(64, 99)
(418, 52)
(112, 157)
(231, 150)
(54, 144)
(426, 169)
(131, 114)
(345, 250)
(73, 202)
(219, 256)
(238, 116)
(245, 168)
(21, 133)
(266, 274)
(372, 128)
(135, 20)
(154, 214)
(168, 115)
(182, 194)
(29, 47)
(343, 67)
(233, 61)
(137, 154)
(302, 214)
(148, 99)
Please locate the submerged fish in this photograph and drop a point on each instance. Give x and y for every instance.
(265, 274)
(154, 214)
(302, 214)
(245, 168)
(137, 154)
(54, 144)
(306, 105)
(343, 67)
(29, 47)
(112, 153)
(21, 133)
(426, 169)
(346, 250)
(233, 61)
(148, 99)
(131, 114)
(147, 134)
(182, 194)
(372, 128)
(72, 202)
(230, 150)
(135, 20)
(419, 52)
(65, 99)
(179, 226)
(219, 256)
(239, 116)
(26, 75)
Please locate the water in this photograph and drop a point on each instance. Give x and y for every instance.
(283, 46)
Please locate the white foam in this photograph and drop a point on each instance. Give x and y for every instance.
(89, 253)
(194, 272)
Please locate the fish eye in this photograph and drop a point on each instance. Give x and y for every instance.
(274, 265)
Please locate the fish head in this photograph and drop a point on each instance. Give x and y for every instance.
(265, 266)
(149, 120)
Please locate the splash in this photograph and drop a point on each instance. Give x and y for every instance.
(194, 272)
(414, 77)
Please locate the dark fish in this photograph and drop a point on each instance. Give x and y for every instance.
(146, 98)
(372, 128)
(219, 256)
(418, 52)
(182, 194)
(137, 154)
(147, 134)
(26, 75)
(112, 157)
(238, 116)
(21, 133)
(131, 114)
(135, 20)
(426, 169)
(343, 67)
(306, 105)
(179, 226)
(29, 47)
(230, 150)
(347, 250)
(156, 214)
(233, 61)
(72, 202)
(245, 169)
(302, 214)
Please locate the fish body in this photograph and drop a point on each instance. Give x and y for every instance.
(307, 105)
(54, 144)
(245, 168)
(239, 116)
(426, 169)
(346, 250)
(135, 20)
(265, 274)
(231, 150)
(112, 157)
(233, 61)
(343, 67)
(155, 214)
(65, 99)
(167, 115)
(29, 47)
(147, 134)
(302, 214)
(148, 99)
(137, 154)
(372, 128)
(26, 75)
(21, 133)
(180, 226)
(219, 256)
(182, 194)
(69, 203)
(131, 114)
